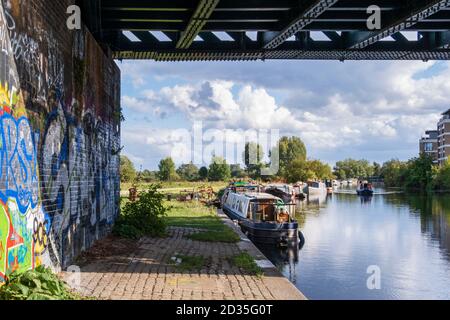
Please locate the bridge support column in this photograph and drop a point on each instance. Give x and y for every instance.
(59, 137)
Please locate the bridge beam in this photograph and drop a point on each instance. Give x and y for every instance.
(414, 13)
(201, 15)
(308, 12)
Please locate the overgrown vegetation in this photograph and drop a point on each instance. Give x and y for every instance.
(38, 284)
(246, 263)
(144, 217)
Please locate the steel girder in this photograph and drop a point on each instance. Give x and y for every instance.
(270, 29)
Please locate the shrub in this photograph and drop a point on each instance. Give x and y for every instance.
(38, 284)
(144, 217)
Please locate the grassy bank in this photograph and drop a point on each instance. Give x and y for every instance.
(171, 186)
(196, 215)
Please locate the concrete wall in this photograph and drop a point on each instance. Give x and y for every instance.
(59, 137)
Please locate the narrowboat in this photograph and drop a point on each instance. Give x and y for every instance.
(264, 218)
(283, 191)
(315, 187)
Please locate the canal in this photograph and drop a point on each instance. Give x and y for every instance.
(404, 237)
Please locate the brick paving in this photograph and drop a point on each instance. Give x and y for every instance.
(147, 273)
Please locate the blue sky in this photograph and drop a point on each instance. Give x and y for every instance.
(376, 110)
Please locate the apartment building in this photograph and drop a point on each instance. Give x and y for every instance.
(443, 143)
(428, 144)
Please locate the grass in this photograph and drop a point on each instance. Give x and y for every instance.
(227, 235)
(188, 263)
(245, 262)
(199, 216)
(176, 185)
(193, 215)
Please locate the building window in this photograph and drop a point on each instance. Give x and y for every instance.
(428, 146)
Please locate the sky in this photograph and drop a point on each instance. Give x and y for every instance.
(374, 110)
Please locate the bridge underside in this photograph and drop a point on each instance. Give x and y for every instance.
(178, 30)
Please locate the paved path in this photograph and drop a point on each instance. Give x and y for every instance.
(147, 273)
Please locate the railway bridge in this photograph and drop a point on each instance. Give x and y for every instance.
(60, 108)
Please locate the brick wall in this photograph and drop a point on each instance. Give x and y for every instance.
(59, 137)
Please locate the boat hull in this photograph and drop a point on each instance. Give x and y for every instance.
(365, 192)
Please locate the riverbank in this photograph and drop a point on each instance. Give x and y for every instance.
(178, 267)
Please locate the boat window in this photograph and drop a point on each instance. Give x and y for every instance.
(241, 206)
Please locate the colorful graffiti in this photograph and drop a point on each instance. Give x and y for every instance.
(59, 182)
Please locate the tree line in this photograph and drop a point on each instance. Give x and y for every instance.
(418, 173)
(293, 166)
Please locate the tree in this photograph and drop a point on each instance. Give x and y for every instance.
(127, 170)
(304, 170)
(442, 176)
(376, 169)
(419, 173)
(236, 171)
(298, 170)
(322, 171)
(394, 172)
(203, 173)
(219, 170)
(289, 149)
(351, 168)
(188, 172)
(148, 176)
(167, 170)
(252, 157)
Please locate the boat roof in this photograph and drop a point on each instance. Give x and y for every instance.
(278, 185)
(261, 195)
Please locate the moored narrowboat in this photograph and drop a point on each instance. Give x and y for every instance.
(263, 217)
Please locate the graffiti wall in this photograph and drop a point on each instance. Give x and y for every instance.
(59, 137)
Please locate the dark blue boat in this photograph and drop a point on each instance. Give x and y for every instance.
(365, 189)
(365, 192)
(264, 218)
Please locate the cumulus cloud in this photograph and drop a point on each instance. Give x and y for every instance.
(376, 110)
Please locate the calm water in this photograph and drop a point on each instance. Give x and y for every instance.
(407, 236)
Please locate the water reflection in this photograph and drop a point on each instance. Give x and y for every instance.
(434, 214)
(407, 236)
(284, 258)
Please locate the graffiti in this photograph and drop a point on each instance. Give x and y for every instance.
(78, 180)
(18, 163)
(59, 182)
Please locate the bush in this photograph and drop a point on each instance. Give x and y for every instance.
(145, 217)
(38, 284)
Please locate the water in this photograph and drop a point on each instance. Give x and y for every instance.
(406, 236)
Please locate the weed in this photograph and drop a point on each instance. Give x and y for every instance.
(226, 235)
(245, 262)
(188, 263)
(38, 284)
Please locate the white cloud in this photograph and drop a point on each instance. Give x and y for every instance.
(358, 109)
